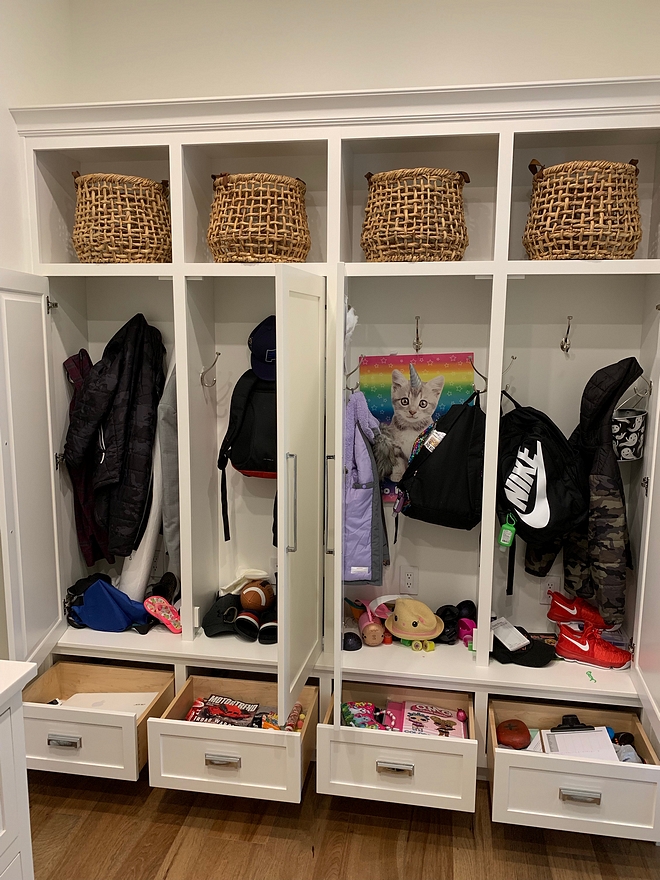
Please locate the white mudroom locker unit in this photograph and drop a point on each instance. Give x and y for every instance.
(507, 310)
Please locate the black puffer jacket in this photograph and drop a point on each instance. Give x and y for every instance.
(115, 413)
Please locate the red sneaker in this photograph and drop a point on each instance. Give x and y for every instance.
(565, 610)
(590, 648)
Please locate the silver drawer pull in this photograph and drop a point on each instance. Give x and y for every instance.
(579, 797)
(222, 761)
(64, 742)
(389, 767)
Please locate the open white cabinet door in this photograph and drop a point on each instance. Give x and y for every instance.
(30, 567)
(300, 459)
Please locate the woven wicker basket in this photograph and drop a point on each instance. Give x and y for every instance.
(415, 214)
(121, 219)
(258, 218)
(583, 211)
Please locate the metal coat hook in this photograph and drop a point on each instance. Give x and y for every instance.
(417, 342)
(565, 344)
(354, 370)
(208, 370)
(514, 357)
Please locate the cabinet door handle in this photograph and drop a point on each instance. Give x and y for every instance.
(389, 767)
(293, 547)
(64, 742)
(572, 796)
(222, 761)
(328, 551)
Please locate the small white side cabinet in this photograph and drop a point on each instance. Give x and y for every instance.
(15, 842)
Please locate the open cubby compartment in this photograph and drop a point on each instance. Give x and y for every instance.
(89, 312)
(614, 317)
(454, 318)
(221, 313)
(614, 145)
(56, 192)
(476, 154)
(307, 160)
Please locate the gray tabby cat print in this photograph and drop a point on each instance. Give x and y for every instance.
(414, 403)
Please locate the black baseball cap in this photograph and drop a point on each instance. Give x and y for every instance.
(537, 653)
(262, 345)
(219, 619)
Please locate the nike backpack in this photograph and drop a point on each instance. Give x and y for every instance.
(444, 480)
(541, 483)
(250, 443)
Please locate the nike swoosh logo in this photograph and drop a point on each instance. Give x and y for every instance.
(539, 516)
(577, 644)
(572, 611)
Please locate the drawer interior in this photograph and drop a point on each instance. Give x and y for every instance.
(64, 679)
(547, 715)
(379, 694)
(198, 687)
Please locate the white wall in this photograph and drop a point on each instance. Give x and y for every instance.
(35, 59)
(128, 49)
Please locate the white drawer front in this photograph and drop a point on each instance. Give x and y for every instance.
(570, 794)
(80, 741)
(403, 768)
(221, 760)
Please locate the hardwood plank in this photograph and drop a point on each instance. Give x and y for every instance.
(91, 829)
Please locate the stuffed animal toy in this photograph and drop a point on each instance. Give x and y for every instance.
(412, 619)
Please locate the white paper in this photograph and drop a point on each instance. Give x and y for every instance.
(535, 745)
(135, 703)
(580, 743)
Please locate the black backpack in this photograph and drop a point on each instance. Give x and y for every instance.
(444, 480)
(250, 443)
(540, 482)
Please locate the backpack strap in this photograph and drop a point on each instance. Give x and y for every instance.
(511, 567)
(237, 408)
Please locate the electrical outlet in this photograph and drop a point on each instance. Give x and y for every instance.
(408, 580)
(549, 584)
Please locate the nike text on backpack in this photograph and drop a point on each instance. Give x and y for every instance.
(444, 480)
(540, 480)
(250, 443)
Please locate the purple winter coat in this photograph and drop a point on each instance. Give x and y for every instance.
(365, 535)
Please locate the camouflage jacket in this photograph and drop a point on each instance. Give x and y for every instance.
(597, 553)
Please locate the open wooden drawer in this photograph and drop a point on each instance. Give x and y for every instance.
(404, 768)
(89, 741)
(220, 759)
(569, 793)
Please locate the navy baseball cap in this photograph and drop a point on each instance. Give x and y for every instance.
(262, 345)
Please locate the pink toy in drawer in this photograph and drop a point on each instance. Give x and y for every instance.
(412, 717)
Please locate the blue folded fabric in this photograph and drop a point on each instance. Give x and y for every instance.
(107, 609)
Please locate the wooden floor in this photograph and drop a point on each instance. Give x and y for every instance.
(90, 829)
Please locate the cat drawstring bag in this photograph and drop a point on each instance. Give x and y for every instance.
(629, 428)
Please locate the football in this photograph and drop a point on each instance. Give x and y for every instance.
(257, 596)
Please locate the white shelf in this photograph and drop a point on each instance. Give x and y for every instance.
(105, 270)
(478, 268)
(453, 666)
(159, 645)
(583, 267)
(247, 270)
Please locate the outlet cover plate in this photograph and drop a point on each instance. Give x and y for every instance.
(549, 584)
(408, 585)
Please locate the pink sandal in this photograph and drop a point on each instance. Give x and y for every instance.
(164, 612)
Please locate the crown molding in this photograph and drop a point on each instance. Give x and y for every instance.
(633, 95)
